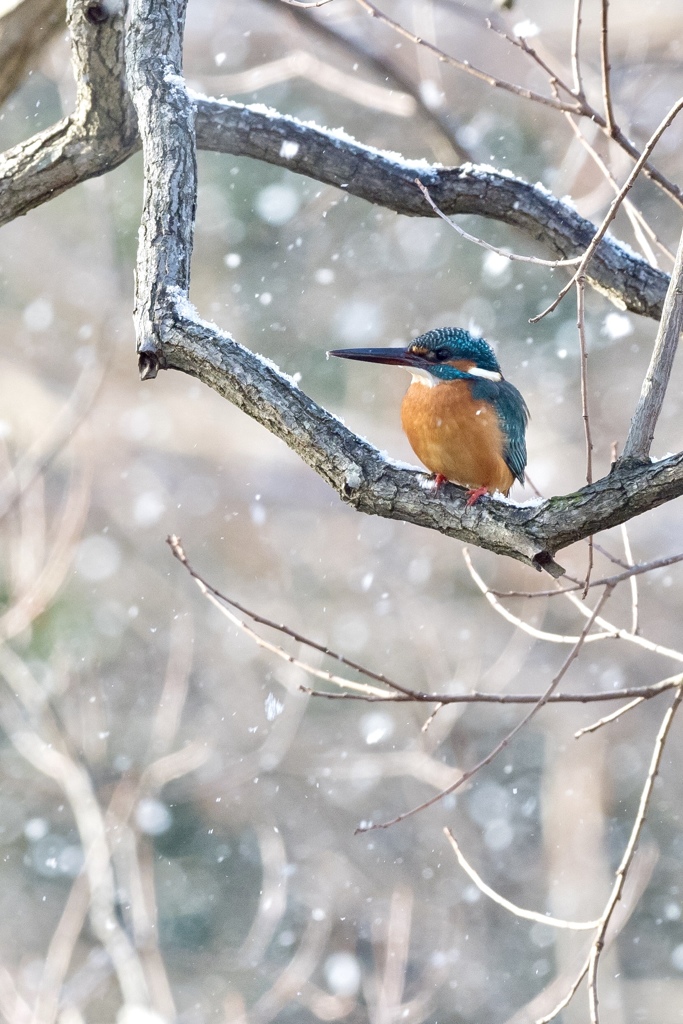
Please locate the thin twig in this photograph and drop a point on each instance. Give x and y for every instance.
(77, 787)
(402, 693)
(483, 697)
(642, 429)
(428, 721)
(605, 67)
(220, 601)
(575, 45)
(211, 592)
(623, 634)
(609, 718)
(581, 325)
(304, 65)
(633, 581)
(528, 915)
(581, 107)
(470, 69)
(641, 227)
(614, 206)
(629, 853)
(541, 702)
(516, 620)
(568, 997)
(487, 245)
(521, 43)
(636, 570)
(611, 631)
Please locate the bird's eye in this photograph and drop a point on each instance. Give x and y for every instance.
(442, 354)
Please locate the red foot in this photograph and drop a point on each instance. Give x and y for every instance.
(439, 479)
(476, 494)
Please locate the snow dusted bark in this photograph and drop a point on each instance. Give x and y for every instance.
(172, 335)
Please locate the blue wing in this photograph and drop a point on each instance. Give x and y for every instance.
(513, 415)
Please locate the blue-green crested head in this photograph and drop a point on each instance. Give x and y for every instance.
(450, 344)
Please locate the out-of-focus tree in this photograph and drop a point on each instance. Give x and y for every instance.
(185, 823)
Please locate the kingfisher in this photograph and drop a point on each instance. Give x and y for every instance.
(463, 420)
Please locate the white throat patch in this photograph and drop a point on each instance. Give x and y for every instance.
(423, 377)
(487, 374)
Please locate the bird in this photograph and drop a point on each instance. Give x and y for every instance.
(464, 421)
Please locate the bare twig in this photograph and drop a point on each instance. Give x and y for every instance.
(396, 946)
(76, 784)
(610, 631)
(33, 601)
(637, 570)
(567, 998)
(401, 693)
(221, 599)
(609, 718)
(633, 582)
(575, 50)
(540, 703)
(614, 206)
(60, 951)
(38, 458)
(629, 852)
(642, 429)
(579, 106)
(487, 245)
(605, 67)
(521, 43)
(273, 898)
(470, 69)
(581, 324)
(393, 73)
(485, 697)
(641, 227)
(623, 634)
(528, 915)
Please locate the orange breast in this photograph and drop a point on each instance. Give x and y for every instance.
(455, 435)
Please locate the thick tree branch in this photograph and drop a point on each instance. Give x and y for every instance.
(101, 135)
(171, 335)
(25, 30)
(364, 478)
(166, 120)
(98, 136)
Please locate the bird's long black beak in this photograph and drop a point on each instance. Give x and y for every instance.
(390, 356)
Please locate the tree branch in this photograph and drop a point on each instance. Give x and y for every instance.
(83, 147)
(373, 484)
(656, 381)
(172, 335)
(25, 31)
(98, 136)
(392, 72)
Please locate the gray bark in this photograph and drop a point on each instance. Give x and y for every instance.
(171, 334)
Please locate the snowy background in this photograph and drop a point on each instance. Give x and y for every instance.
(268, 905)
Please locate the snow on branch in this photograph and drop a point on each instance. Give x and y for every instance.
(101, 134)
(172, 335)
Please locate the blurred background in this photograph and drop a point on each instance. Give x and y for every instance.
(237, 870)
